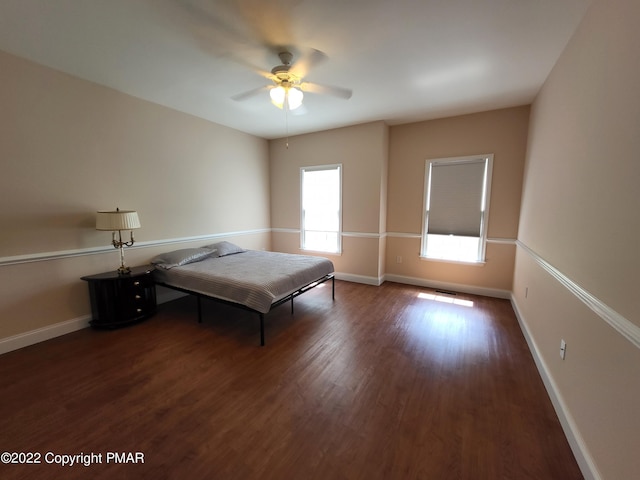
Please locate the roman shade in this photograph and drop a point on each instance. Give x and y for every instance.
(455, 198)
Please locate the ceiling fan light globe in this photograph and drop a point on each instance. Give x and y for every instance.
(294, 97)
(278, 96)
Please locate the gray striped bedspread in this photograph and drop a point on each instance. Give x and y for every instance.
(253, 278)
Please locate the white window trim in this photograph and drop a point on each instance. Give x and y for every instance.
(484, 220)
(302, 229)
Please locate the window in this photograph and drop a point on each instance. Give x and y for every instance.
(456, 204)
(321, 212)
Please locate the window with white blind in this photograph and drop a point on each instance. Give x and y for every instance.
(456, 205)
(321, 208)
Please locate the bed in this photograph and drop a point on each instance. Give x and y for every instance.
(253, 280)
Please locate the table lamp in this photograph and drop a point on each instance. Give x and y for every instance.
(116, 221)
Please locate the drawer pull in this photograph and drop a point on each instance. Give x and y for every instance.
(138, 297)
(136, 283)
(138, 310)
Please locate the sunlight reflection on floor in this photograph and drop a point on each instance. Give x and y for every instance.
(447, 335)
(445, 299)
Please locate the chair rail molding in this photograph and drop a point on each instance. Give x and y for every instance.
(622, 325)
(45, 256)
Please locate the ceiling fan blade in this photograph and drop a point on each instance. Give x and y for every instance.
(309, 59)
(221, 27)
(215, 29)
(251, 93)
(269, 22)
(326, 89)
(243, 62)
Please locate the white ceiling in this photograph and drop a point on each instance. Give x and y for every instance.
(405, 60)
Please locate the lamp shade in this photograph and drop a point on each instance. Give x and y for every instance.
(117, 220)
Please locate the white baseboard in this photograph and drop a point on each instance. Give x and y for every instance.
(26, 339)
(421, 282)
(41, 334)
(579, 448)
(456, 287)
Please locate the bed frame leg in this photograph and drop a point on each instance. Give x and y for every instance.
(333, 288)
(262, 329)
(199, 308)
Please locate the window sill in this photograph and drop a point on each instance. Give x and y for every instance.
(321, 252)
(458, 262)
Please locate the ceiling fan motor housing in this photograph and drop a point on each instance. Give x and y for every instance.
(282, 75)
(286, 57)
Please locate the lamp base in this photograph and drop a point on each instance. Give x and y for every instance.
(124, 270)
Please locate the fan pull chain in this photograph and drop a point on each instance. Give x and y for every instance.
(286, 122)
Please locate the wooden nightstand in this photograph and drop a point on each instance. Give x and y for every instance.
(119, 300)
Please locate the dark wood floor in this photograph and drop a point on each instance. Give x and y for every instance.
(384, 383)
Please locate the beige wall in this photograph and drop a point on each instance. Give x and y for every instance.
(579, 231)
(69, 148)
(383, 182)
(362, 151)
(500, 132)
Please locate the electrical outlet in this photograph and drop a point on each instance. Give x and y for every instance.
(563, 349)
(398, 259)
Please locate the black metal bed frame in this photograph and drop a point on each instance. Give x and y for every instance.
(277, 303)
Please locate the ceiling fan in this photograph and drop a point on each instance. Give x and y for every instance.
(288, 86)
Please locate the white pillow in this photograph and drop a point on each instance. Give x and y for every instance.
(225, 248)
(181, 257)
